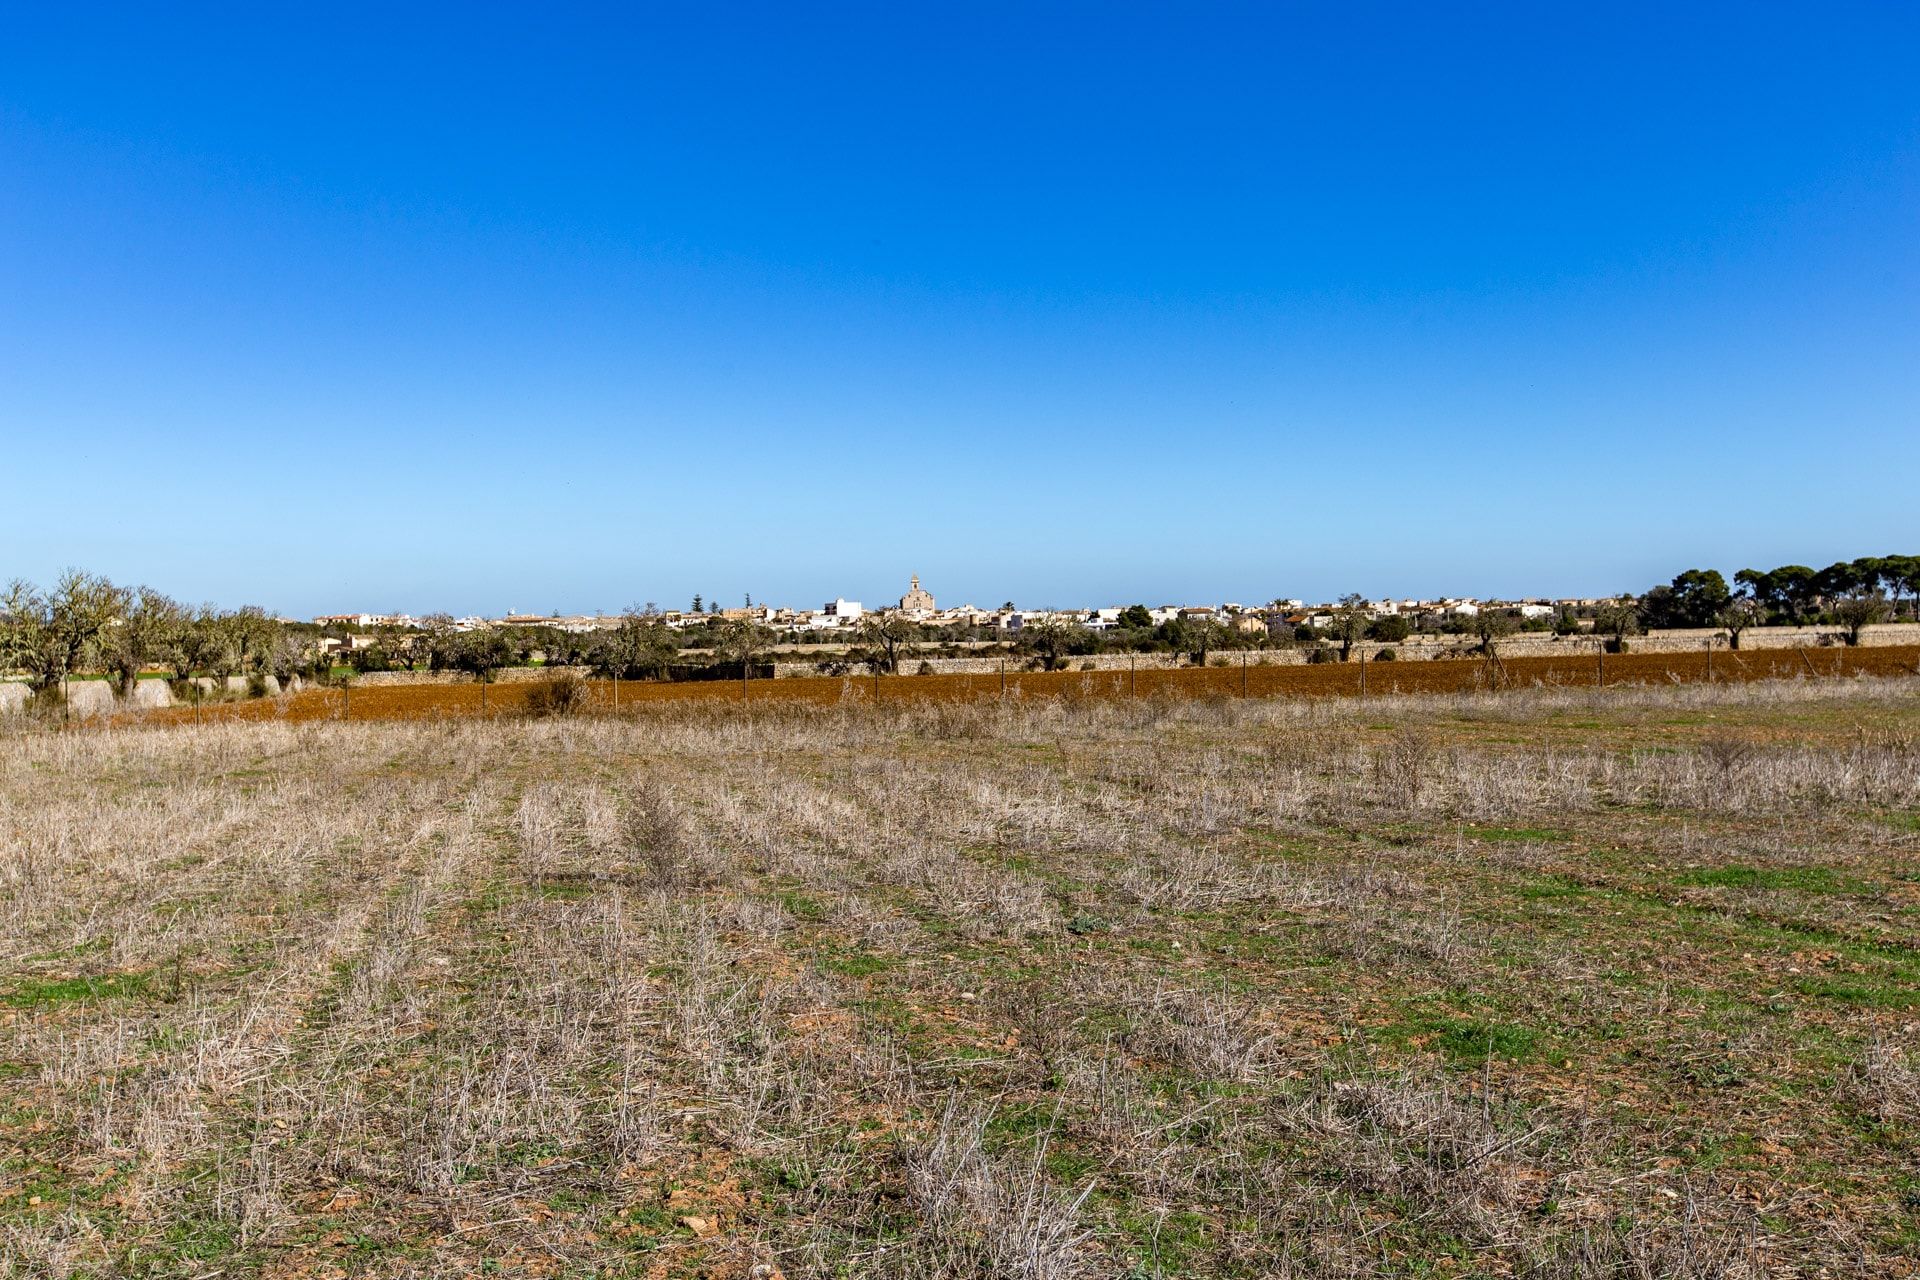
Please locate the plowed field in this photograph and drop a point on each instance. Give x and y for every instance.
(428, 701)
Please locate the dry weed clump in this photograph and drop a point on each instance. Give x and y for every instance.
(1209, 1033)
(1480, 1165)
(654, 836)
(1885, 1082)
(985, 1216)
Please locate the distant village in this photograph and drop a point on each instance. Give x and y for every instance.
(918, 606)
(88, 625)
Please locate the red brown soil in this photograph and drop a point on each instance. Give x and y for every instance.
(426, 701)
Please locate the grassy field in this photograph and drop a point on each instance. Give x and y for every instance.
(1551, 982)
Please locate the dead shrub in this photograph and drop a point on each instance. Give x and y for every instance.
(562, 694)
(1726, 752)
(1473, 1162)
(1693, 1248)
(657, 842)
(991, 1217)
(1401, 766)
(1205, 1032)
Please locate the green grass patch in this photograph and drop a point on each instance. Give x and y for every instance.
(852, 964)
(1869, 995)
(1802, 879)
(801, 907)
(44, 993)
(1467, 1039)
(1553, 886)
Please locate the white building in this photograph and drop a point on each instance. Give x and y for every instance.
(836, 613)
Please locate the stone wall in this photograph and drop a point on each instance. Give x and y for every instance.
(100, 697)
(150, 693)
(1418, 648)
(1017, 664)
(505, 675)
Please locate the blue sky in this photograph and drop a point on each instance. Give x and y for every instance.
(488, 306)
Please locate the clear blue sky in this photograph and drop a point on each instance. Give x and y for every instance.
(540, 307)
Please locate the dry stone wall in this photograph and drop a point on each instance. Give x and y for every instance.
(1419, 648)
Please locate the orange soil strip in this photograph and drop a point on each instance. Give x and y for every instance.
(428, 701)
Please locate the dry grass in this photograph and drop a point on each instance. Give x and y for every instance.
(1552, 982)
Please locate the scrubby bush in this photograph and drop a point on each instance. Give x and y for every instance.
(560, 694)
(1392, 627)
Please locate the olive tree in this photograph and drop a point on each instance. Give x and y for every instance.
(1492, 625)
(1856, 609)
(1050, 639)
(482, 653)
(639, 648)
(51, 635)
(144, 635)
(1741, 611)
(885, 638)
(1350, 619)
(1617, 619)
(740, 641)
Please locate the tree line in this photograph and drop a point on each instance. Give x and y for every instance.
(1849, 595)
(86, 623)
